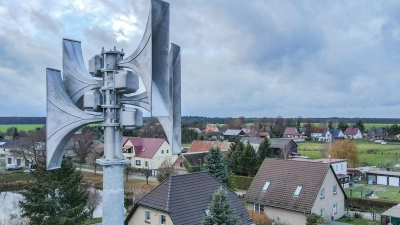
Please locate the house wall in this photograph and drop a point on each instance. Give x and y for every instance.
(330, 198)
(340, 167)
(15, 159)
(177, 165)
(138, 217)
(284, 216)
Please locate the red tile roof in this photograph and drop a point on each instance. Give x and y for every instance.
(210, 128)
(290, 130)
(204, 146)
(145, 147)
(351, 131)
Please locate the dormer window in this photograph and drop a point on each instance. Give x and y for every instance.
(266, 185)
(298, 190)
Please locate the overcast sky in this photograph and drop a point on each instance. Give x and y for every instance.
(239, 58)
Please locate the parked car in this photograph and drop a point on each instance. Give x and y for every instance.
(13, 167)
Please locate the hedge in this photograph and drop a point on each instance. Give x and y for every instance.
(241, 182)
(365, 203)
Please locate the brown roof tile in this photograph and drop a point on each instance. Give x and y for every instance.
(285, 176)
(204, 146)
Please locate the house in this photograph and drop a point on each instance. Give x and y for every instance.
(291, 132)
(230, 133)
(383, 177)
(330, 135)
(264, 134)
(182, 200)
(377, 133)
(281, 146)
(353, 133)
(249, 131)
(15, 155)
(204, 146)
(147, 153)
(290, 193)
(211, 129)
(195, 159)
(316, 132)
(339, 166)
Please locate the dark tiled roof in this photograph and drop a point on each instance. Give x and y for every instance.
(274, 142)
(334, 132)
(285, 176)
(376, 131)
(185, 197)
(9, 144)
(194, 159)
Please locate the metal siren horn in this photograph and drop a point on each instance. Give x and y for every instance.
(77, 80)
(64, 118)
(172, 123)
(150, 62)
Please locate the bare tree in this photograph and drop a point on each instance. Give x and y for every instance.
(94, 153)
(81, 143)
(93, 201)
(285, 151)
(32, 147)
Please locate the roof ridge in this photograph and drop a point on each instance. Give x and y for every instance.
(169, 193)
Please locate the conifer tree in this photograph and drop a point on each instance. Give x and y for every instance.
(214, 163)
(248, 161)
(55, 196)
(235, 150)
(265, 149)
(220, 211)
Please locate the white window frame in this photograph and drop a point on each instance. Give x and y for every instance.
(258, 208)
(322, 193)
(298, 190)
(138, 162)
(165, 219)
(266, 185)
(322, 212)
(145, 215)
(334, 210)
(335, 189)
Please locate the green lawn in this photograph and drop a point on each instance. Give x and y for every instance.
(384, 192)
(25, 127)
(357, 221)
(380, 154)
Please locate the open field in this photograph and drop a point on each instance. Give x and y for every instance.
(380, 154)
(25, 127)
(384, 192)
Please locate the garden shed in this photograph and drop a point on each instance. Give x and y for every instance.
(384, 178)
(391, 215)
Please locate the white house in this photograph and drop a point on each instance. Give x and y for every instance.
(353, 133)
(147, 153)
(330, 135)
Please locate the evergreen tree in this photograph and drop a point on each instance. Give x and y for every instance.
(235, 150)
(215, 165)
(265, 150)
(55, 196)
(343, 126)
(248, 161)
(220, 209)
(360, 125)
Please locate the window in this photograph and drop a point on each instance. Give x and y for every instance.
(138, 163)
(322, 193)
(9, 160)
(167, 151)
(258, 208)
(321, 213)
(146, 163)
(162, 151)
(341, 166)
(181, 164)
(334, 211)
(147, 215)
(298, 190)
(163, 219)
(26, 162)
(266, 185)
(335, 189)
(336, 168)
